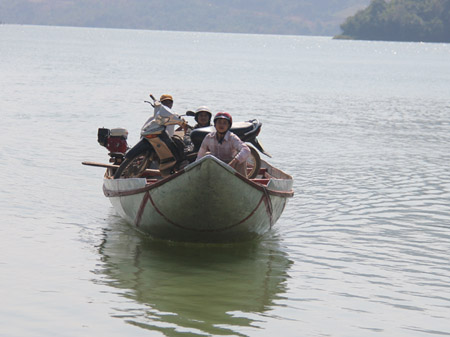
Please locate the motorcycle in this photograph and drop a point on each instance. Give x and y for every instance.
(170, 154)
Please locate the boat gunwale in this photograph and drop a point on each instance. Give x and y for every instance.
(109, 193)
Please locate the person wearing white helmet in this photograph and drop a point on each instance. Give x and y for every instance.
(203, 117)
(225, 145)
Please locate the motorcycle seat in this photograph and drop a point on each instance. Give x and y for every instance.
(238, 128)
(197, 136)
(241, 128)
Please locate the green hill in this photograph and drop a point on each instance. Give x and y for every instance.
(296, 17)
(401, 20)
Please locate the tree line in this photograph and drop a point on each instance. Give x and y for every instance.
(400, 20)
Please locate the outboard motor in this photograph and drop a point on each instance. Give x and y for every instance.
(115, 140)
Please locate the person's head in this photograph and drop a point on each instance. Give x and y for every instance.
(203, 116)
(223, 122)
(166, 100)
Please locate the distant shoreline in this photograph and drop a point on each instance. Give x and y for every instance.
(400, 21)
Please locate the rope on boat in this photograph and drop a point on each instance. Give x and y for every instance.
(147, 197)
(269, 207)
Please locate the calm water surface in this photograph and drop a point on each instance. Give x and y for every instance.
(361, 250)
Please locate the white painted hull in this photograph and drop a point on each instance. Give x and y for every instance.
(206, 202)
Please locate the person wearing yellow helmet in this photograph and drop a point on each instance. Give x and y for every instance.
(163, 144)
(225, 145)
(166, 100)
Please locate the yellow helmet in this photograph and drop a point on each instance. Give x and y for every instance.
(165, 97)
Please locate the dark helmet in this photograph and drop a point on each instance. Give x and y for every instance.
(202, 109)
(224, 115)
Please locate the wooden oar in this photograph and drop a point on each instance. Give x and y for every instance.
(91, 163)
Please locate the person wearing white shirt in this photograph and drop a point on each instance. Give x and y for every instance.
(225, 145)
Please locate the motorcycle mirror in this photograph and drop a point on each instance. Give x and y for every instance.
(190, 113)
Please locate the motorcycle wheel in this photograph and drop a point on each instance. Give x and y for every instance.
(253, 163)
(135, 165)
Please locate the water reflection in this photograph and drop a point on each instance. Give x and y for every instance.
(178, 289)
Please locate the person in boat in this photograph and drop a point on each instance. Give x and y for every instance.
(203, 117)
(166, 100)
(225, 145)
(167, 151)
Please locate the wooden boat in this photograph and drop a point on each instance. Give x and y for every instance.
(207, 201)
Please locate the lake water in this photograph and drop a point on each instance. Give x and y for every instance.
(363, 127)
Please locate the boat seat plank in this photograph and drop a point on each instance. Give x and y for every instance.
(260, 181)
(151, 181)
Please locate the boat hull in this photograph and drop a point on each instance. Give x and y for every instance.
(208, 201)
